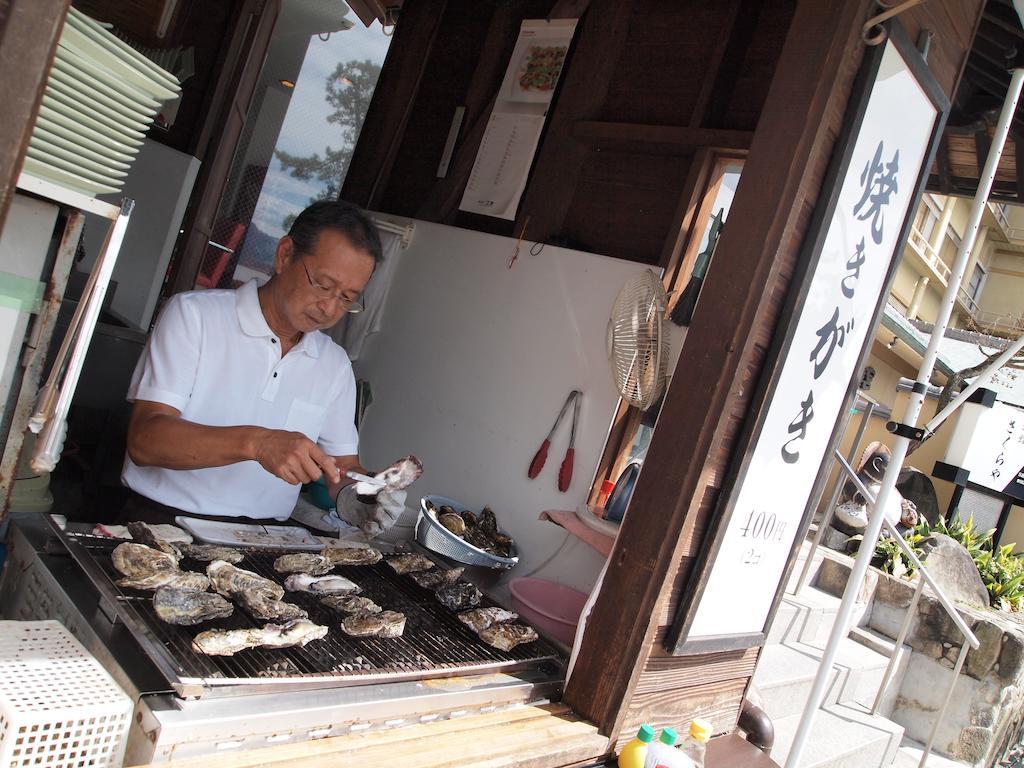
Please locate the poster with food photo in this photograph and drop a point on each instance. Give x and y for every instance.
(537, 60)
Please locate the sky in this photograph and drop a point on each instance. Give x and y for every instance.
(305, 128)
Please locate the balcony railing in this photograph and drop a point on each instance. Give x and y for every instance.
(920, 245)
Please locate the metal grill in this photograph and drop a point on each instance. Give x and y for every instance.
(434, 644)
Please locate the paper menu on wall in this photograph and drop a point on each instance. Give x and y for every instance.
(510, 140)
(502, 164)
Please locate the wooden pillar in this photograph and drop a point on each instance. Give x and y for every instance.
(618, 679)
(29, 31)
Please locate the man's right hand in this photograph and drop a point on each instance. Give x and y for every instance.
(294, 458)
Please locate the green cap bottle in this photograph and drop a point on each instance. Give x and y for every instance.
(645, 734)
(669, 736)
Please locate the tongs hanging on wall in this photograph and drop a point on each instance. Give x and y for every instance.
(565, 471)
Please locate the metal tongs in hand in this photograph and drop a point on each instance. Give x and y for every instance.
(565, 471)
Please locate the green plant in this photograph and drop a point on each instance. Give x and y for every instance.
(1001, 571)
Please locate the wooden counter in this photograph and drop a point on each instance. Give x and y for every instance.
(528, 737)
(548, 736)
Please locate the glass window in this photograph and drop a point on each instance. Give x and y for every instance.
(314, 91)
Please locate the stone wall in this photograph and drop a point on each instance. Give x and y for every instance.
(986, 707)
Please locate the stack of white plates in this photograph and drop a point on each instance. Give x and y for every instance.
(100, 100)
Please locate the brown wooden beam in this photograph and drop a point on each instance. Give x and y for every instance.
(741, 300)
(548, 196)
(942, 160)
(1018, 145)
(221, 133)
(981, 147)
(729, 69)
(657, 139)
(395, 93)
(29, 30)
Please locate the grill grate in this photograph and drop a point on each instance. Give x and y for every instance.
(434, 643)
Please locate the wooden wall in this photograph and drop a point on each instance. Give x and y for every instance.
(647, 85)
(650, 86)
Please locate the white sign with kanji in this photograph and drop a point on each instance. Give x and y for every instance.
(831, 328)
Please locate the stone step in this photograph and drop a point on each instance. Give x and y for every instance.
(909, 756)
(806, 617)
(785, 675)
(843, 736)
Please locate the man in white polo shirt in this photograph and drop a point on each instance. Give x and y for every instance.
(239, 398)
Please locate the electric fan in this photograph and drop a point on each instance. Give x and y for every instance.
(637, 340)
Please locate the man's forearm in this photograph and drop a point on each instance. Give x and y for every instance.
(173, 443)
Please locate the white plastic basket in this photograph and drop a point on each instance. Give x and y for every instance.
(58, 706)
(434, 536)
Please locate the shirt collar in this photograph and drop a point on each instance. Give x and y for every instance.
(253, 323)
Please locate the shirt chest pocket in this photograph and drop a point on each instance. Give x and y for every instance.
(305, 417)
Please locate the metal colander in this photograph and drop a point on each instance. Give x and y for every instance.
(435, 537)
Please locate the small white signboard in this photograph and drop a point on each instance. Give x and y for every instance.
(828, 333)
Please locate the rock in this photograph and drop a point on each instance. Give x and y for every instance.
(917, 487)
(973, 744)
(954, 571)
(1011, 658)
(979, 661)
(984, 715)
(935, 624)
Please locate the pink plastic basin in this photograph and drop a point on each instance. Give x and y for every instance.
(552, 608)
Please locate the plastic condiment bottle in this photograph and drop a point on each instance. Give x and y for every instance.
(634, 753)
(663, 753)
(696, 743)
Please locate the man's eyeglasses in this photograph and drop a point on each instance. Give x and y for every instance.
(351, 305)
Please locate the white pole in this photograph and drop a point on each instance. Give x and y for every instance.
(902, 442)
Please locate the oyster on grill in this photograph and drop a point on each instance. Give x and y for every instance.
(227, 579)
(147, 568)
(303, 562)
(508, 635)
(402, 564)
(227, 642)
(458, 596)
(397, 477)
(143, 533)
(207, 553)
(189, 606)
(321, 585)
(263, 606)
(436, 578)
(352, 555)
(480, 619)
(384, 624)
(351, 604)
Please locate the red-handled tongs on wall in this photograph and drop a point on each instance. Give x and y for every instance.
(565, 471)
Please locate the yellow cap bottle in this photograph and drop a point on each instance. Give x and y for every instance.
(634, 753)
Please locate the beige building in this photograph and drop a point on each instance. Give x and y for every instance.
(989, 309)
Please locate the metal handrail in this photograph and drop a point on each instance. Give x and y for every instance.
(925, 578)
(943, 600)
(830, 508)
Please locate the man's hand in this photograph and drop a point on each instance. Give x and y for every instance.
(295, 458)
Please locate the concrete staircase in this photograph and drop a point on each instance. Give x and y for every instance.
(845, 733)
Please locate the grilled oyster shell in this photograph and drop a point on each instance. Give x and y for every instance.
(321, 585)
(436, 578)
(303, 562)
(263, 606)
(186, 607)
(458, 596)
(227, 642)
(402, 564)
(351, 604)
(207, 553)
(480, 619)
(383, 624)
(352, 555)
(508, 635)
(227, 580)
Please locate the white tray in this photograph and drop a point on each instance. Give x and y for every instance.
(242, 535)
